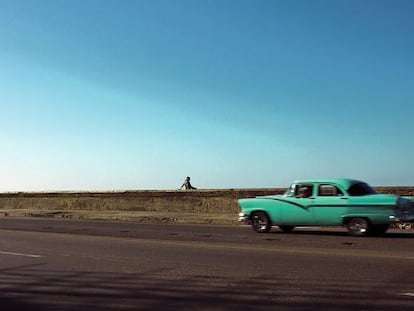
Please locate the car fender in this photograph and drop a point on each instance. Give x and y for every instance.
(270, 207)
(375, 219)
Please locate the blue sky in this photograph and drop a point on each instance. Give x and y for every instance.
(130, 94)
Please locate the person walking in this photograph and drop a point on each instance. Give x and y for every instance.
(187, 184)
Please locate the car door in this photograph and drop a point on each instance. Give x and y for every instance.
(330, 205)
(297, 209)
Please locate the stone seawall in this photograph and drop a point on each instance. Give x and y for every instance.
(194, 201)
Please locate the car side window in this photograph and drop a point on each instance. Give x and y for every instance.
(304, 191)
(329, 191)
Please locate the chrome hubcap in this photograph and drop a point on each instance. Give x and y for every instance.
(259, 223)
(358, 226)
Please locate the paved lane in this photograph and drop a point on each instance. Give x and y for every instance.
(68, 265)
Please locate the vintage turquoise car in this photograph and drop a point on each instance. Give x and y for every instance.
(327, 202)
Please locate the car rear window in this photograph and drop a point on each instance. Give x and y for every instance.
(329, 191)
(360, 189)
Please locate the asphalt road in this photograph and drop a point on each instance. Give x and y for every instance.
(50, 264)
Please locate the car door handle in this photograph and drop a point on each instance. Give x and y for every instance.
(344, 198)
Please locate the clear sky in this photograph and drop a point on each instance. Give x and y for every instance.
(131, 94)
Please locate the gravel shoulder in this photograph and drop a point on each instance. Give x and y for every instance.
(135, 216)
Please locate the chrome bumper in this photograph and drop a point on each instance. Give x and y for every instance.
(402, 219)
(243, 218)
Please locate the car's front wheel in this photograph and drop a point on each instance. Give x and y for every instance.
(358, 226)
(260, 222)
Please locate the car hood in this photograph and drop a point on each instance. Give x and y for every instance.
(278, 196)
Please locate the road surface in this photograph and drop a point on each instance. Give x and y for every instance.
(86, 265)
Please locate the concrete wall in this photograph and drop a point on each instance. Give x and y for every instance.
(197, 201)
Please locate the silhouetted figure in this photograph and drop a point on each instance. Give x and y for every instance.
(187, 184)
(305, 192)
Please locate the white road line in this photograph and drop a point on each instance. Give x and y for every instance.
(20, 254)
(407, 294)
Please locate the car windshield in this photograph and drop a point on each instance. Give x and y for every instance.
(360, 189)
(290, 192)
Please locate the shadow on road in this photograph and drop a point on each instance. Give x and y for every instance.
(31, 288)
(388, 234)
(15, 305)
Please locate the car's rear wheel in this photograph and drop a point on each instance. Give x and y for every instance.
(287, 229)
(358, 226)
(260, 222)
